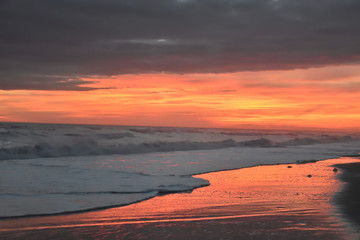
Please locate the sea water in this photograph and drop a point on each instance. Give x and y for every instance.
(53, 168)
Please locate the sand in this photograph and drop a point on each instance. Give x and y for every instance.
(265, 202)
(349, 198)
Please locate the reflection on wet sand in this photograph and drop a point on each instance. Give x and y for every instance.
(265, 202)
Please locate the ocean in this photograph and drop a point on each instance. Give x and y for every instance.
(55, 168)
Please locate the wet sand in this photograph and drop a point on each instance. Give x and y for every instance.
(266, 202)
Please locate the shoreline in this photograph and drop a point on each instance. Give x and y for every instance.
(159, 194)
(234, 198)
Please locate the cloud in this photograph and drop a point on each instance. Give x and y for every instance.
(44, 43)
(42, 82)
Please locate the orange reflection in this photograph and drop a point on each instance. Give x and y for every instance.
(276, 198)
(263, 190)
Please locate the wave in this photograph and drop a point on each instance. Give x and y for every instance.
(26, 141)
(88, 147)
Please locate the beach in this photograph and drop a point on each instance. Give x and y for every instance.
(179, 119)
(287, 201)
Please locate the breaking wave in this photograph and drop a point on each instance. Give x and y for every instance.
(45, 141)
(87, 147)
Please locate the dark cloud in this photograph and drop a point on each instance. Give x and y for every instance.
(29, 81)
(43, 43)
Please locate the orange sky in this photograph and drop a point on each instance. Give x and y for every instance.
(326, 97)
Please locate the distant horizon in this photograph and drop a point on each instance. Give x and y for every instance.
(253, 127)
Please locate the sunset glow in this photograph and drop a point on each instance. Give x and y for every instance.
(310, 98)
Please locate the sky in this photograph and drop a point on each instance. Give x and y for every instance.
(191, 63)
